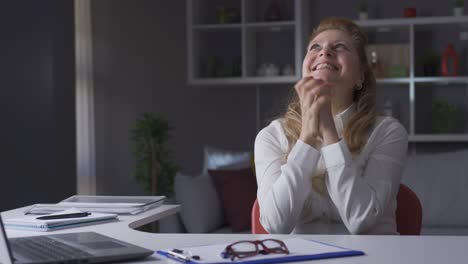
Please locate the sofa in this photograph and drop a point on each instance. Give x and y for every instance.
(219, 198)
(439, 180)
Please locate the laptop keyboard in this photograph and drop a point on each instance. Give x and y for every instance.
(46, 249)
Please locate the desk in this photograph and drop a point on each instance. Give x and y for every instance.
(378, 249)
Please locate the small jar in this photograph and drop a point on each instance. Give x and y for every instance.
(388, 108)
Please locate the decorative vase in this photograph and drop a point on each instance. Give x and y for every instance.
(287, 70)
(449, 53)
(261, 70)
(271, 70)
(388, 108)
(376, 65)
(458, 11)
(363, 15)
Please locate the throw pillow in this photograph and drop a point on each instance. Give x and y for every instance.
(201, 210)
(237, 191)
(216, 158)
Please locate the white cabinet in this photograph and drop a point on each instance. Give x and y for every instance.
(244, 41)
(432, 107)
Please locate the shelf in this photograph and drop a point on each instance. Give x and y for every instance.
(271, 24)
(393, 80)
(458, 79)
(395, 22)
(245, 80)
(439, 138)
(217, 26)
(256, 25)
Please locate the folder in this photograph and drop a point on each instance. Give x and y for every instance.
(299, 250)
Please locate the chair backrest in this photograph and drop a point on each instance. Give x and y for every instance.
(408, 213)
(257, 228)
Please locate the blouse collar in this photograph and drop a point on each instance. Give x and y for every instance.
(341, 119)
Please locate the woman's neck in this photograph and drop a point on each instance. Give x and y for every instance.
(340, 107)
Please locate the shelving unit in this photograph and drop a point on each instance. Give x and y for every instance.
(417, 118)
(247, 38)
(252, 41)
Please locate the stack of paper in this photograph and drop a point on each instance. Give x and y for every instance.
(32, 223)
(101, 204)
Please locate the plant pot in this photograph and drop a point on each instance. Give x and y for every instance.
(363, 15)
(458, 11)
(445, 117)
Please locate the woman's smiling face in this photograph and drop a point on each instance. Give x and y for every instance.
(332, 57)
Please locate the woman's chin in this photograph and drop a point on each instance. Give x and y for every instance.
(326, 76)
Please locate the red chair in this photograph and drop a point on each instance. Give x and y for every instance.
(408, 214)
(257, 228)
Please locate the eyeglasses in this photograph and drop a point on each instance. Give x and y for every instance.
(250, 248)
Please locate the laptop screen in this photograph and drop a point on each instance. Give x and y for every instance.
(5, 253)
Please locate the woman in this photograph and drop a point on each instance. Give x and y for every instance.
(330, 164)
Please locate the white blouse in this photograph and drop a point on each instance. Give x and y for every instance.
(361, 190)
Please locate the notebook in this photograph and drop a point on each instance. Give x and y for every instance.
(30, 222)
(299, 250)
(81, 247)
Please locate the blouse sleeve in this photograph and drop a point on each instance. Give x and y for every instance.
(361, 195)
(283, 185)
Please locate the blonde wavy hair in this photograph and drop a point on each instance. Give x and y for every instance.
(356, 131)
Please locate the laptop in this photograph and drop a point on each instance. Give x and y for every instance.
(81, 247)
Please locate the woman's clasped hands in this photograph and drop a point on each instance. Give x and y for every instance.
(315, 97)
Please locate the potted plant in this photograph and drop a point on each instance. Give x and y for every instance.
(444, 117)
(363, 9)
(154, 167)
(458, 8)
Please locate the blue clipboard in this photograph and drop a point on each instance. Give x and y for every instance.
(300, 250)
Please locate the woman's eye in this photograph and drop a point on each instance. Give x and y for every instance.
(340, 46)
(314, 47)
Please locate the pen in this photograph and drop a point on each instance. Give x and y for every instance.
(178, 256)
(61, 216)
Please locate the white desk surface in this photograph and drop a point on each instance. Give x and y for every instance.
(378, 249)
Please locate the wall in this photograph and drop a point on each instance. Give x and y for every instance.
(37, 103)
(140, 66)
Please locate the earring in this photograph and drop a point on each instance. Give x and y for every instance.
(358, 86)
